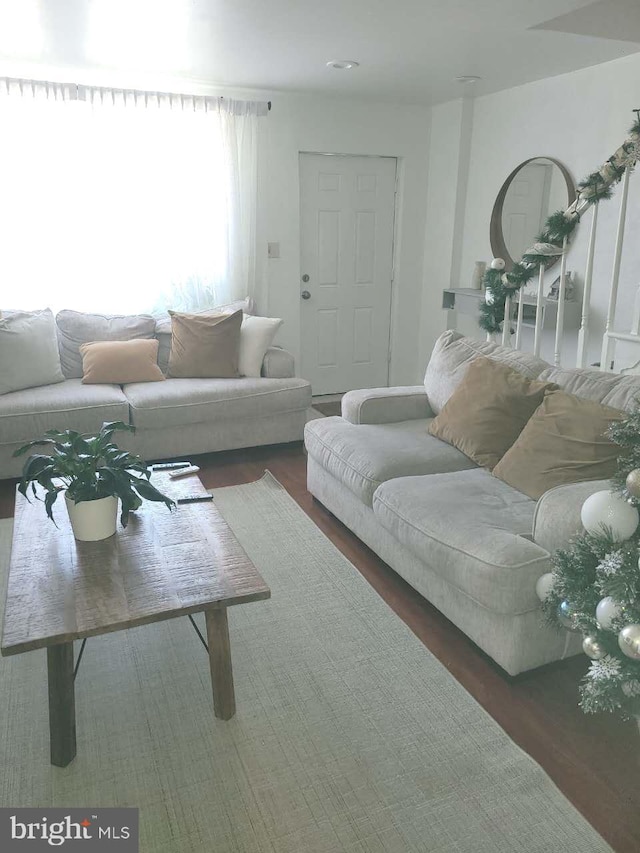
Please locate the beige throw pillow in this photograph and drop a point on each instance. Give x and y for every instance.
(564, 442)
(205, 345)
(488, 410)
(119, 362)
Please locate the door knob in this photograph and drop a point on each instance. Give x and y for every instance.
(305, 278)
(305, 294)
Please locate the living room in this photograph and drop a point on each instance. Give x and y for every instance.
(276, 331)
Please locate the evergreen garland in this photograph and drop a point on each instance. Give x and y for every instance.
(596, 566)
(626, 434)
(558, 227)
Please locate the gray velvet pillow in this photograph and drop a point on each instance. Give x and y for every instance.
(28, 351)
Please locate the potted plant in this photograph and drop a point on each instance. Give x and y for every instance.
(94, 473)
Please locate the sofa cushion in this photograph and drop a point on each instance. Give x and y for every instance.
(205, 346)
(564, 442)
(452, 354)
(163, 326)
(176, 402)
(610, 389)
(471, 529)
(75, 328)
(488, 410)
(117, 362)
(28, 350)
(363, 456)
(256, 336)
(25, 415)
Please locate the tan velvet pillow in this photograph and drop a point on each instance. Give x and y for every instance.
(205, 345)
(119, 362)
(564, 442)
(488, 410)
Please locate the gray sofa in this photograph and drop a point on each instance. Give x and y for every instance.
(177, 417)
(468, 542)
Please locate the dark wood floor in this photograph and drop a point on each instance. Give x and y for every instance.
(595, 761)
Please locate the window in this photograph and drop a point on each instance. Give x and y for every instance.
(124, 202)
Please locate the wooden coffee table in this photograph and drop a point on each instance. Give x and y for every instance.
(162, 566)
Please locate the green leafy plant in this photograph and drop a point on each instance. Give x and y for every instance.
(88, 467)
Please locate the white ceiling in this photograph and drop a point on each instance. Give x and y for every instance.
(408, 50)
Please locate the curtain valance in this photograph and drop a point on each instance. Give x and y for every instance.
(105, 96)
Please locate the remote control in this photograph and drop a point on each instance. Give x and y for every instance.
(184, 472)
(167, 466)
(195, 499)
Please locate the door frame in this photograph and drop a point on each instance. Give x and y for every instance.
(394, 243)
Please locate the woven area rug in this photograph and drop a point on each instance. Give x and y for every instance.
(349, 735)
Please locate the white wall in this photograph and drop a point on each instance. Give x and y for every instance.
(450, 136)
(338, 126)
(315, 124)
(580, 119)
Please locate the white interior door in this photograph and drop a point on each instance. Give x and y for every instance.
(347, 209)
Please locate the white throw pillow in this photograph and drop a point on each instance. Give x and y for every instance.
(256, 336)
(28, 350)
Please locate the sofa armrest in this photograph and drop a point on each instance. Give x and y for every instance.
(557, 516)
(386, 405)
(278, 364)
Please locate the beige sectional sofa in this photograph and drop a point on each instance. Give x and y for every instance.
(176, 417)
(468, 542)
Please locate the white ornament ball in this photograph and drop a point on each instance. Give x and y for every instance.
(544, 585)
(605, 511)
(607, 610)
(633, 483)
(629, 641)
(567, 616)
(497, 264)
(592, 648)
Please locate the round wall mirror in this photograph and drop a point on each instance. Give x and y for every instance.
(533, 190)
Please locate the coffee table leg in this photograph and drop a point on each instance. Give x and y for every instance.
(62, 704)
(224, 699)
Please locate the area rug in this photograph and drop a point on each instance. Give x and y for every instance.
(349, 735)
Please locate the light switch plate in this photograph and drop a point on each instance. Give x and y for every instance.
(273, 250)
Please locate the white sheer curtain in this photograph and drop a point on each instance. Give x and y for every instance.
(122, 202)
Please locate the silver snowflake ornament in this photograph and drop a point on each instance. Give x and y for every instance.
(605, 669)
(611, 563)
(631, 689)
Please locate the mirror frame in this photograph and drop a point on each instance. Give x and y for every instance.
(496, 236)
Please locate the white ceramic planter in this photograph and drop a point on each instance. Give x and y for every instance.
(93, 520)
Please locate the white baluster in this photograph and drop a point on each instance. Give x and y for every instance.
(520, 317)
(607, 342)
(583, 334)
(506, 325)
(560, 314)
(537, 338)
(635, 320)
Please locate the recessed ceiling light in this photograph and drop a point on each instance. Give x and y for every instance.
(467, 79)
(342, 64)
